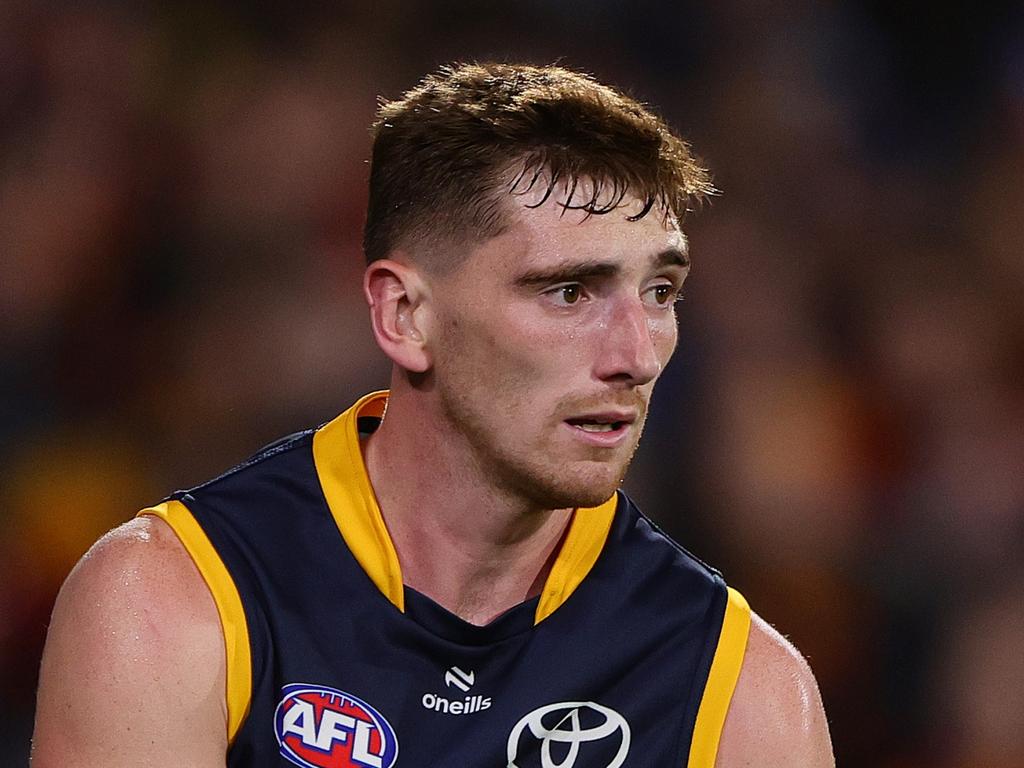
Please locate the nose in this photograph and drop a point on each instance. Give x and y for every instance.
(628, 351)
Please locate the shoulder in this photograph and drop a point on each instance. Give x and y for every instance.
(140, 569)
(135, 639)
(776, 717)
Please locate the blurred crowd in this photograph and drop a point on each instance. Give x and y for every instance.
(182, 188)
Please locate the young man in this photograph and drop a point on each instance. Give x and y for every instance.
(448, 574)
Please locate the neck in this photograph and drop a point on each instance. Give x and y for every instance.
(470, 546)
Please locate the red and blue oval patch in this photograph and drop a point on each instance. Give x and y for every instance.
(320, 727)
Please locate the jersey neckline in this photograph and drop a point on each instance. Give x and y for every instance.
(439, 621)
(353, 505)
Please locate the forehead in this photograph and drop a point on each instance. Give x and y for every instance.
(542, 230)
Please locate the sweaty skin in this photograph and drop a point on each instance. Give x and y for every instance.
(566, 322)
(776, 717)
(133, 673)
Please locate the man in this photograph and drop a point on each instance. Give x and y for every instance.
(454, 580)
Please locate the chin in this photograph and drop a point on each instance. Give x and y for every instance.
(588, 487)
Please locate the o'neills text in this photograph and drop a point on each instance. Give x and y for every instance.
(467, 706)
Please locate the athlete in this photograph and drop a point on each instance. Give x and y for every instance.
(447, 573)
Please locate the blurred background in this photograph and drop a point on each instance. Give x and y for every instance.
(182, 188)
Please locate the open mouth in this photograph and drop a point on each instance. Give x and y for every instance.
(596, 426)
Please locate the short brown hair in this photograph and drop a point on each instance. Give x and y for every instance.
(443, 154)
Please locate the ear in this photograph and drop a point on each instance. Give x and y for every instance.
(397, 295)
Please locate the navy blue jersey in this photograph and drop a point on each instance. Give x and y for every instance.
(628, 657)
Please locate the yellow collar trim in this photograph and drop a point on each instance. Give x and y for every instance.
(339, 464)
(587, 534)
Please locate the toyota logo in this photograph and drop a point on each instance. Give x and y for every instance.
(570, 724)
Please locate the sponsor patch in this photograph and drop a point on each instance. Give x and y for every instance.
(320, 727)
(569, 734)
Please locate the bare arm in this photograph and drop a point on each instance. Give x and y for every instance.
(776, 718)
(134, 665)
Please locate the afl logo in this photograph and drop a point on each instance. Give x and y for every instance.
(320, 727)
(553, 736)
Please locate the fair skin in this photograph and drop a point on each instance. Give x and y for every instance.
(567, 322)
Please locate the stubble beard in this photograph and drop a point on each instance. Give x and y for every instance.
(524, 475)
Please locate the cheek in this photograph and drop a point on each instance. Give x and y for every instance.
(664, 336)
(487, 353)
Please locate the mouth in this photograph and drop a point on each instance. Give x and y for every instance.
(596, 426)
(603, 429)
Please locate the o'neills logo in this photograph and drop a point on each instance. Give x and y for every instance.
(466, 706)
(463, 680)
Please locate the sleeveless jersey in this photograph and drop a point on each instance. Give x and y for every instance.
(628, 657)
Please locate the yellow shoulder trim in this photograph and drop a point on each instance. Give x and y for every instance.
(339, 464)
(725, 671)
(229, 606)
(587, 534)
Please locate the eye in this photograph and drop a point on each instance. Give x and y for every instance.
(662, 295)
(566, 295)
(570, 293)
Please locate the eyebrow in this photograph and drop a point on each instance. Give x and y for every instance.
(673, 257)
(588, 270)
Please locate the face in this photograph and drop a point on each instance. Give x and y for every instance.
(549, 340)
